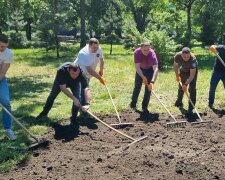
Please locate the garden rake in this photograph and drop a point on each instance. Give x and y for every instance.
(121, 133)
(220, 59)
(171, 124)
(40, 142)
(197, 122)
(121, 124)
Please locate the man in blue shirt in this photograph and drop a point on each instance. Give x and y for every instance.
(218, 72)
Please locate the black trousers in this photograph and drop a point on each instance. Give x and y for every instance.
(76, 90)
(192, 88)
(148, 73)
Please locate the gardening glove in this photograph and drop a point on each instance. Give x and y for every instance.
(151, 86)
(144, 80)
(85, 108)
(184, 87)
(178, 79)
(213, 48)
(101, 72)
(102, 80)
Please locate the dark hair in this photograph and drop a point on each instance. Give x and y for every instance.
(186, 50)
(93, 41)
(3, 38)
(74, 67)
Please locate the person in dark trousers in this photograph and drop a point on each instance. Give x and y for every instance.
(218, 72)
(69, 75)
(185, 66)
(146, 64)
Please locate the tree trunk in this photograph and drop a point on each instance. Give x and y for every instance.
(188, 35)
(82, 23)
(28, 30)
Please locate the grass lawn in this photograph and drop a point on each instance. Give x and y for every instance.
(31, 75)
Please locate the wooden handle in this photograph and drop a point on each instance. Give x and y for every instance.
(118, 116)
(17, 121)
(110, 126)
(192, 103)
(221, 60)
(164, 106)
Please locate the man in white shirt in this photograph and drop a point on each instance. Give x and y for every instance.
(6, 58)
(88, 59)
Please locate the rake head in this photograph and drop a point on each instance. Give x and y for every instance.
(39, 143)
(122, 125)
(137, 140)
(201, 122)
(176, 124)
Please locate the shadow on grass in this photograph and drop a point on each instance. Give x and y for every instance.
(26, 87)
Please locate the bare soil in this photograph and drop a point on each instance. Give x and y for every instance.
(93, 151)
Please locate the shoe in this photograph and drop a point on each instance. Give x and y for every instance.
(145, 111)
(41, 116)
(10, 134)
(132, 106)
(84, 115)
(178, 104)
(189, 114)
(211, 106)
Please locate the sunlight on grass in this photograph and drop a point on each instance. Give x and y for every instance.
(32, 74)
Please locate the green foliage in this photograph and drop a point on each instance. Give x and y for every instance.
(163, 45)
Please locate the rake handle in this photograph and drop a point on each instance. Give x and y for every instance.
(118, 116)
(17, 121)
(164, 106)
(192, 103)
(129, 137)
(221, 60)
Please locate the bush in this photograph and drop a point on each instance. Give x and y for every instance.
(164, 46)
(16, 39)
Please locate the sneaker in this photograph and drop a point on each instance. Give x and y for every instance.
(10, 134)
(41, 116)
(211, 106)
(178, 104)
(146, 111)
(189, 114)
(132, 106)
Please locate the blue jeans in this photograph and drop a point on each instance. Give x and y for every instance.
(216, 77)
(5, 101)
(148, 73)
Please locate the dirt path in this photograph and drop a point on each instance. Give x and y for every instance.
(99, 153)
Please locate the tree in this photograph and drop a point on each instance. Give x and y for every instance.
(140, 10)
(112, 21)
(187, 6)
(52, 21)
(82, 23)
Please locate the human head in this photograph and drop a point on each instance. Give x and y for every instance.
(145, 46)
(186, 53)
(3, 42)
(93, 44)
(74, 70)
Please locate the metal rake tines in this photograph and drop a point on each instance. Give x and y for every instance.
(176, 124)
(122, 125)
(201, 122)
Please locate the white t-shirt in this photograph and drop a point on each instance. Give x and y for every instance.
(87, 58)
(6, 57)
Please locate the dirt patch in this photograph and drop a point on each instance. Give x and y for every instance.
(92, 151)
